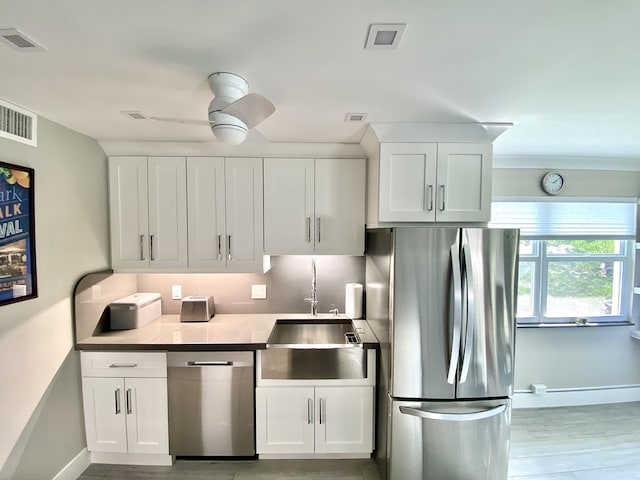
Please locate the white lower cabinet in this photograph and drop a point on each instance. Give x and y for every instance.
(125, 405)
(314, 420)
(125, 415)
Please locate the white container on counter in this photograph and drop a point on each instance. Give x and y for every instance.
(135, 310)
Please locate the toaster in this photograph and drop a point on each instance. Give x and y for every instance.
(196, 308)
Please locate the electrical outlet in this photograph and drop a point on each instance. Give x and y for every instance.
(176, 292)
(258, 292)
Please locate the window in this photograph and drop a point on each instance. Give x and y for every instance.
(576, 260)
(573, 279)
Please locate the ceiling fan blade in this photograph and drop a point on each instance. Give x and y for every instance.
(186, 121)
(254, 137)
(251, 109)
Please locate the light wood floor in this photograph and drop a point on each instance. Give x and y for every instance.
(576, 443)
(600, 442)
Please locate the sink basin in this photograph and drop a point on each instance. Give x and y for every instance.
(313, 349)
(315, 333)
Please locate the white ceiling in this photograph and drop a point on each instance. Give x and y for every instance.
(567, 73)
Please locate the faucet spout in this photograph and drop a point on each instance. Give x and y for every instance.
(313, 300)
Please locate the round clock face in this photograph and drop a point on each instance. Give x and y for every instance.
(552, 183)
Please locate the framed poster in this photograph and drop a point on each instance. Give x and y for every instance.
(17, 234)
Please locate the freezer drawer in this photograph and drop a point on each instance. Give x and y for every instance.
(450, 440)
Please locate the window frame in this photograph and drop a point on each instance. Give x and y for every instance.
(541, 261)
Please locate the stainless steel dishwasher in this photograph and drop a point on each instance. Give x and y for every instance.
(211, 404)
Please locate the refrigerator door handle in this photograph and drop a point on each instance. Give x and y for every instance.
(471, 312)
(457, 315)
(454, 417)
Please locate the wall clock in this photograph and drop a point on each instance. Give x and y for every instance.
(552, 183)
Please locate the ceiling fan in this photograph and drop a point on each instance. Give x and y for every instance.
(232, 112)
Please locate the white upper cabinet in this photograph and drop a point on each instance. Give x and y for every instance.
(464, 182)
(314, 206)
(430, 182)
(225, 214)
(148, 205)
(407, 182)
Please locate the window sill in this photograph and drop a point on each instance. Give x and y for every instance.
(581, 325)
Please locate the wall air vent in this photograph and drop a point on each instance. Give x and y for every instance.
(18, 124)
(19, 41)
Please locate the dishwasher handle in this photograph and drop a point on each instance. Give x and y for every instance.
(205, 363)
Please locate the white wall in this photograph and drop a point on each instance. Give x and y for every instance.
(574, 358)
(40, 404)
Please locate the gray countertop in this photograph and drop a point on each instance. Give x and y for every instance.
(222, 332)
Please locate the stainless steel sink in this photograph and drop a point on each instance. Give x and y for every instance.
(313, 349)
(314, 334)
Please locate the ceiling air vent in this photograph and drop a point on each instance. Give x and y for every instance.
(19, 41)
(18, 124)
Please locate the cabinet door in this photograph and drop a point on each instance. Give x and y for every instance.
(464, 182)
(167, 213)
(339, 206)
(407, 182)
(104, 414)
(129, 213)
(288, 206)
(244, 214)
(344, 419)
(147, 415)
(206, 214)
(284, 420)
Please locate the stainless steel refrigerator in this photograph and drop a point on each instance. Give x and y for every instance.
(442, 303)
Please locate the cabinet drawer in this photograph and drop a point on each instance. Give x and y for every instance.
(123, 364)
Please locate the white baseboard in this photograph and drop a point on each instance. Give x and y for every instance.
(579, 396)
(132, 458)
(312, 456)
(75, 467)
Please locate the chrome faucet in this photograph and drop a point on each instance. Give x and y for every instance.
(314, 290)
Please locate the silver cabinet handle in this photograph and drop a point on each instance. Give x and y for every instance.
(308, 224)
(322, 410)
(429, 195)
(454, 417)
(442, 198)
(219, 247)
(141, 247)
(309, 411)
(318, 228)
(128, 401)
(117, 395)
(228, 247)
(123, 365)
(151, 247)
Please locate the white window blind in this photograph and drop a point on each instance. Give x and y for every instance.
(566, 219)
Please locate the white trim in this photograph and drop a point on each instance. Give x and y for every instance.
(274, 149)
(566, 162)
(75, 467)
(312, 456)
(560, 397)
(453, 132)
(132, 458)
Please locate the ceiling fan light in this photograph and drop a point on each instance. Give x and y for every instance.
(230, 134)
(227, 128)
